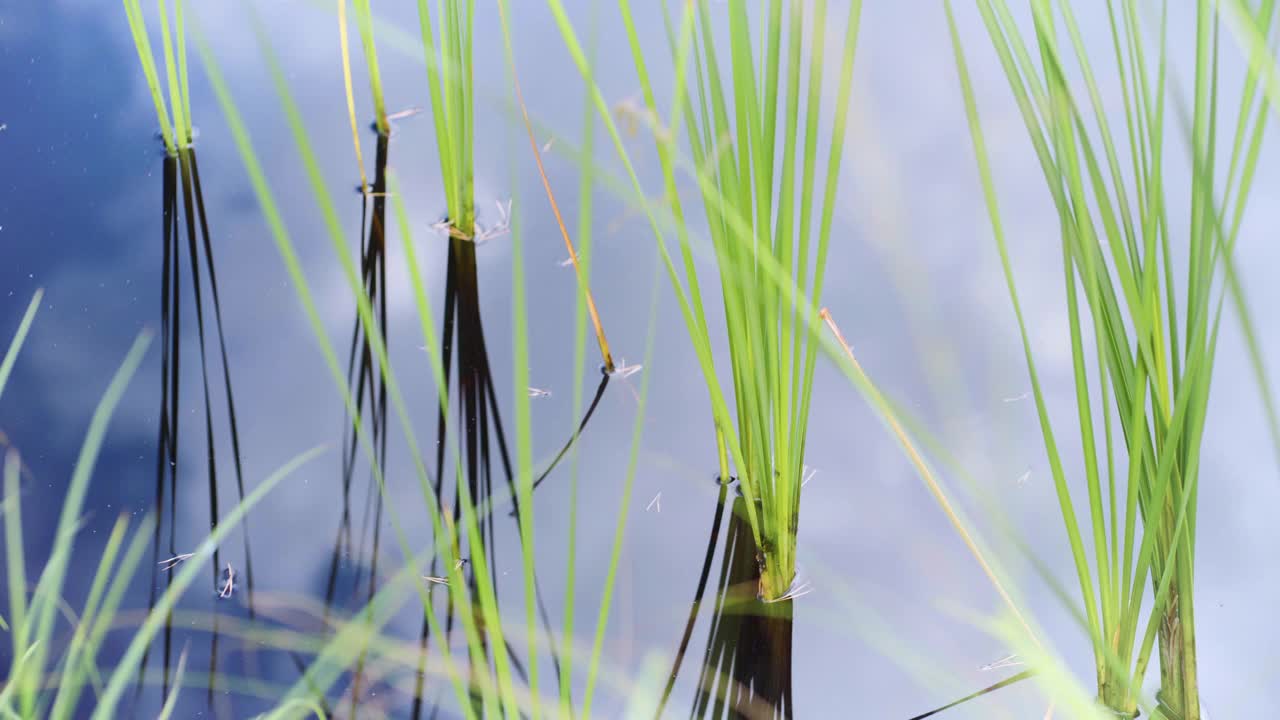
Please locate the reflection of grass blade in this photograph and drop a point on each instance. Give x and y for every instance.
(746, 669)
(189, 215)
(192, 176)
(577, 432)
(170, 367)
(366, 378)
(712, 539)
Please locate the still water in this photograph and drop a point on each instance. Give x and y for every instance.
(886, 631)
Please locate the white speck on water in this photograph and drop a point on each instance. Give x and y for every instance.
(1004, 662)
(655, 504)
(806, 474)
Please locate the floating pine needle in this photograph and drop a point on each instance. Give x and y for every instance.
(798, 590)
(483, 234)
(1004, 662)
(175, 561)
(564, 231)
(655, 504)
(406, 113)
(624, 370)
(538, 392)
(229, 585)
(1016, 398)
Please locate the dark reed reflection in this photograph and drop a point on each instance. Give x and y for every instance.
(353, 568)
(484, 455)
(746, 666)
(183, 215)
(470, 391)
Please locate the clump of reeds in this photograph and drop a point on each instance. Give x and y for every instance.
(184, 214)
(754, 132)
(1144, 298)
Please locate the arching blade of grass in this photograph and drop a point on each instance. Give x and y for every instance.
(1152, 366)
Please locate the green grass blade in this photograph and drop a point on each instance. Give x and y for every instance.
(14, 560)
(138, 29)
(19, 337)
(49, 588)
(624, 508)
